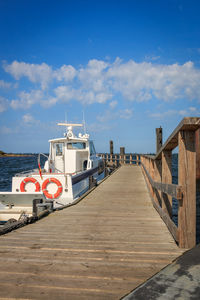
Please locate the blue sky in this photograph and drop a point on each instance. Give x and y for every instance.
(131, 66)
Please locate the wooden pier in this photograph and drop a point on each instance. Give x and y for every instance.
(114, 239)
(101, 248)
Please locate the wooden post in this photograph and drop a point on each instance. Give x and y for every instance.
(111, 147)
(151, 169)
(137, 158)
(197, 140)
(158, 139)
(187, 179)
(158, 178)
(122, 153)
(167, 178)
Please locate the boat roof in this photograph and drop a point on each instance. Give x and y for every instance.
(69, 136)
(65, 139)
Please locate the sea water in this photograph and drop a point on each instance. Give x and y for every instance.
(9, 166)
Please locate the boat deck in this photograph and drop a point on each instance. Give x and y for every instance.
(101, 248)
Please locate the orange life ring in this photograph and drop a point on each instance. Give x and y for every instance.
(29, 179)
(59, 191)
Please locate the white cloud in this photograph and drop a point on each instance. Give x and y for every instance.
(112, 104)
(26, 100)
(113, 115)
(142, 81)
(34, 72)
(28, 118)
(3, 104)
(65, 93)
(125, 114)
(4, 84)
(191, 111)
(40, 73)
(100, 81)
(66, 73)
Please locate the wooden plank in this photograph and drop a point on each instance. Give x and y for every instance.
(187, 179)
(101, 248)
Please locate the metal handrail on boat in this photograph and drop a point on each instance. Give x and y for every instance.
(48, 159)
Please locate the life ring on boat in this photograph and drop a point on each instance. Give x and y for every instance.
(59, 191)
(29, 179)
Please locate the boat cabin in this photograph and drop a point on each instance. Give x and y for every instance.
(71, 154)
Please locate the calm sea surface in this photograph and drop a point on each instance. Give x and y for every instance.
(9, 166)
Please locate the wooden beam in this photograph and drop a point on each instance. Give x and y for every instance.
(187, 179)
(167, 178)
(189, 124)
(158, 178)
(197, 139)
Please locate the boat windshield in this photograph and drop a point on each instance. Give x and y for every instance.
(76, 145)
(59, 149)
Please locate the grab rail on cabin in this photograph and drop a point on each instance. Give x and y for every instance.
(157, 170)
(39, 166)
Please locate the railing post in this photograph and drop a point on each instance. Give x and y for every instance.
(137, 158)
(197, 138)
(158, 178)
(130, 157)
(167, 178)
(116, 164)
(187, 179)
(158, 139)
(111, 147)
(151, 172)
(122, 153)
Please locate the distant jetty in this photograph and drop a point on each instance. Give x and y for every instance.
(3, 154)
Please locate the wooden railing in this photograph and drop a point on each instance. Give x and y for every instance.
(117, 159)
(158, 174)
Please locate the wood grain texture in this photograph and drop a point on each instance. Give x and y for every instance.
(101, 248)
(187, 179)
(167, 178)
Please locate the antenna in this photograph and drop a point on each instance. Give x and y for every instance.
(69, 124)
(84, 127)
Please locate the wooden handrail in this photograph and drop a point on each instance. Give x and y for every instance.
(187, 124)
(173, 190)
(158, 174)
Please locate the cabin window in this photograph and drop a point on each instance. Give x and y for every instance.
(92, 149)
(76, 145)
(59, 149)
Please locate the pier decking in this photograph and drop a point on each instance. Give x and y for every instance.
(101, 248)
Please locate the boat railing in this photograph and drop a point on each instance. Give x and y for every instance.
(39, 157)
(59, 171)
(24, 173)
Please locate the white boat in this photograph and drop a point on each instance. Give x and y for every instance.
(70, 168)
